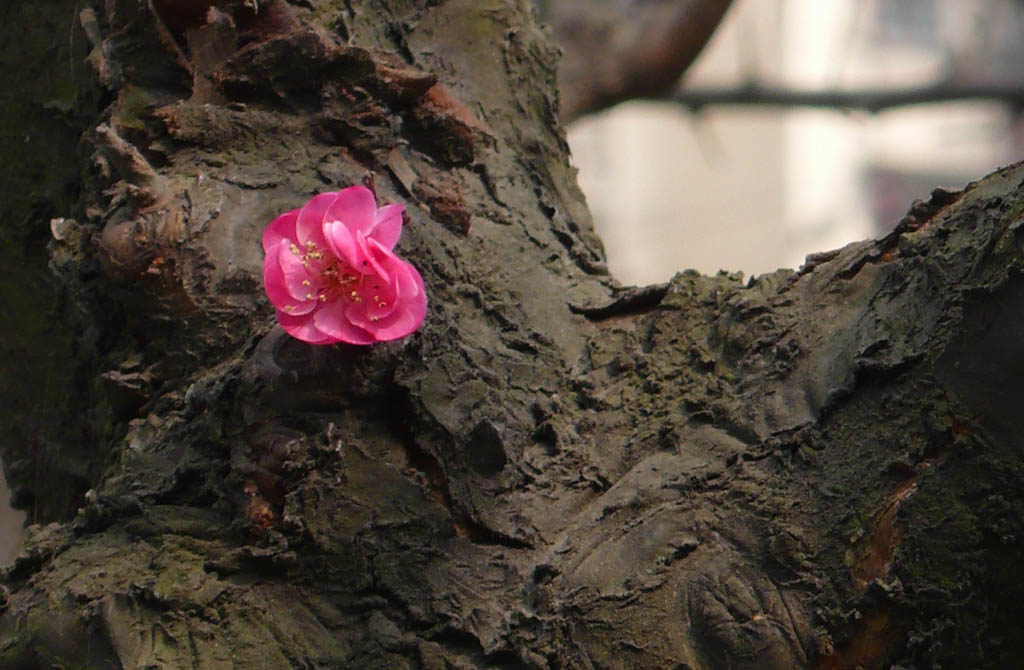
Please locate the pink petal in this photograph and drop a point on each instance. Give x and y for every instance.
(408, 313)
(331, 319)
(273, 280)
(303, 328)
(409, 283)
(356, 314)
(276, 288)
(281, 228)
(355, 207)
(309, 225)
(415, 302)
(341, 242)
(300, 283)
(376, 258)
(398, 324)
(389, 225)
(379, 298)
(302, 308)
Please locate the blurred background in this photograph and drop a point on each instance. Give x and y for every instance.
(754, 187)
(709, 177)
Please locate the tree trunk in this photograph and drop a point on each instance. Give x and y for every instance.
(812, 469)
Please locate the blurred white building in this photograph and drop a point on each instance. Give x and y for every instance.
(757, 188)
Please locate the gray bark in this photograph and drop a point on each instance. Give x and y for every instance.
(815, 468)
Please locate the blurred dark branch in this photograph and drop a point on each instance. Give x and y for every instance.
(871, 100)
(614, 50)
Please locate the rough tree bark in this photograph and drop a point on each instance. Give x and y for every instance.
(810, 469)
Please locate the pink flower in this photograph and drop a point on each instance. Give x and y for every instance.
(330, 271)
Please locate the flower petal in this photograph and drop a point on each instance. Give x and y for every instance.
(283, 227)
(273, 280)
(303, 328)
(410, 284)
(416, 302)
(331, 319)
(409, 309)
(299, 282)
(277, 290)
(309, 225)
(376, 258)
(341, 243)
(398, 324)
(355, 207)
(388, 227)
(378, 298)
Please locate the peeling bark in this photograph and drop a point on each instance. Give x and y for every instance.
(815, 468)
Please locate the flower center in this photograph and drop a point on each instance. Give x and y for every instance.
(339, 281)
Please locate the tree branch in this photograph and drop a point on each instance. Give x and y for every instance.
(871, 100)
(613, 51)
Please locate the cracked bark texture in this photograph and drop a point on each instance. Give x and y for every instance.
(809, 469)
